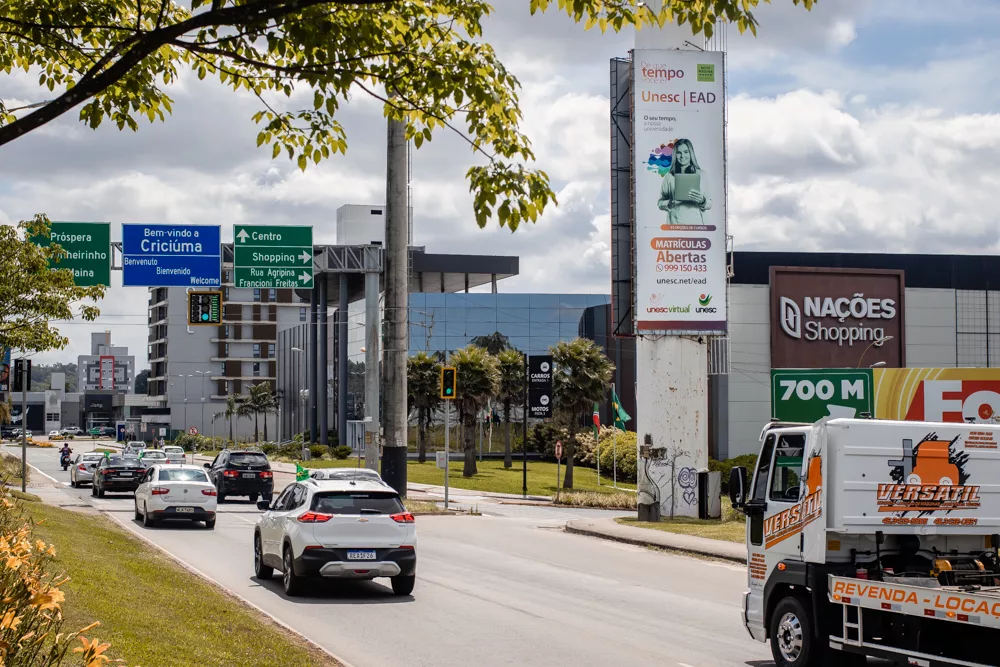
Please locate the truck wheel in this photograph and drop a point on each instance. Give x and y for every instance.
(792, 641)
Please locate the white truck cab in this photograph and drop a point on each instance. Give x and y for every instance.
(874, 538)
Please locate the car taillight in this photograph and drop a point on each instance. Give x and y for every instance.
(230, 473)
(267, 474)
(108, 471)
(314, 517)
(402, 517)
(209, 492)
(159, 491)
(407, 547)
(82, 467)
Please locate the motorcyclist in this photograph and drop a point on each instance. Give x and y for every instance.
(65, 452)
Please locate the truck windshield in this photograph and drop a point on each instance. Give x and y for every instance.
(763, 468)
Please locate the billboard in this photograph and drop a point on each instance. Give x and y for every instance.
(835, 318)
(680, 191)
(4, 369)
(970, 395)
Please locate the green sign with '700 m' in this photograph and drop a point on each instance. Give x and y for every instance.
(808, 395)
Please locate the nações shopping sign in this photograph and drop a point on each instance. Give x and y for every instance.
(680, 199)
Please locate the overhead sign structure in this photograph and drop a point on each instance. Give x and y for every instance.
(171, 255)
(87, 247)
(272, 256)
(680, 197)
(540, 386)
(204, 308)
(807, 395)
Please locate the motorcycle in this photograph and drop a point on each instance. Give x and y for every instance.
(64, 461)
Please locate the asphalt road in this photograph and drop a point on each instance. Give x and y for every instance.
(506, 588)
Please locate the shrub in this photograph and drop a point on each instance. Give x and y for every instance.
(623, 447)
(620, 501)
(317, 451)
(269, 448)
(542, 438)
(748, 461)
(342, 451)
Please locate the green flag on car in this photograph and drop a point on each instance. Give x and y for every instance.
(301, 473)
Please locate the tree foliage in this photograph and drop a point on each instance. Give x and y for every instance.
(425, 59)
(494, 343)
(32, 297)
(423, 378)
(260, 401)
(581, 377)
(478, 377)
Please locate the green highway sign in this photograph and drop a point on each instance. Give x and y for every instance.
(88, 251)
(272, 256)
(808, 395)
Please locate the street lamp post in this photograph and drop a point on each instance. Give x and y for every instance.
(296, 419)
(881, 340)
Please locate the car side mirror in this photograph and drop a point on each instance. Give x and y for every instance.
(738, 487)
(264, 505)
(208, 465)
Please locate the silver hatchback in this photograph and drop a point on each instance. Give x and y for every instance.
(82, 470)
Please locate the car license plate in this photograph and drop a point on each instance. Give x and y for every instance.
(184, 509)
(360, 555)
(124, 474)
(249, 475)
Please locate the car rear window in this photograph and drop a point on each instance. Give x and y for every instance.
(182, 475)
(173, 450)
(357, 502)
(92, 457)
(123, 461)
(242, 459)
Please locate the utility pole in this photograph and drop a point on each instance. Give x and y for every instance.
(396, 317)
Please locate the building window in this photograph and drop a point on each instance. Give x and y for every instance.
(302, 314)
(226, 331)
(256, 369)
(256, 350)
(230, 388)
(270, 350)
(225, 293)
(227, 276)
(226, 350)
(256, 295)
(272, 295)
(51, 416)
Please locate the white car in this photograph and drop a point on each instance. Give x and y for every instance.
(152, 457)
(54, 434)
(72, 430)
(336, 529)
(174, 454)
(175, 492)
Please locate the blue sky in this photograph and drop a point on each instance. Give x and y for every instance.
(865, 125)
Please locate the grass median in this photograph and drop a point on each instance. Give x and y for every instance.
(731, 528)
(493, 477)
(153, 611)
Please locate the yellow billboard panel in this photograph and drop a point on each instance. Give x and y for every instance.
(969, 395)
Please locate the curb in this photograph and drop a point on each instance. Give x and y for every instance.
(655, 545)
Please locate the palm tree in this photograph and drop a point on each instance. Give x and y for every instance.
(234, 408)
(423, 380)
(581, 378)
(511, 364)
(495, 343)
(478, 378)
(261, 400)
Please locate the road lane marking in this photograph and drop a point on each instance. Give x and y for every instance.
(683, 664)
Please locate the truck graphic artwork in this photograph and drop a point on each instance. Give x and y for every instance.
(929, 477)
(783, 525)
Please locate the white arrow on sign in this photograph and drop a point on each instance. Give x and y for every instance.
(305, 257)
(243, 236)
(305, 277)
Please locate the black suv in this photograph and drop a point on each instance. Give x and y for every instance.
(117, 473)
(241, 472)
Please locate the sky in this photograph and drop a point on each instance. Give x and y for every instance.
(863, 126)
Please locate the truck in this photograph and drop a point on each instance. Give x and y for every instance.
(873, 538)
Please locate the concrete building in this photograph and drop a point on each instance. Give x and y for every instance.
(364, 224)
(107, 367)
(828, 310)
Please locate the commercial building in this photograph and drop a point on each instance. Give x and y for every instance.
(107, 368)
(844, 310)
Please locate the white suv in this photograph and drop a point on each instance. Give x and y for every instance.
(336, 528)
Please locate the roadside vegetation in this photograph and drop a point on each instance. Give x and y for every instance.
(182, 621)
(731, 528)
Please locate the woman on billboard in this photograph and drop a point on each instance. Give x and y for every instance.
(682, 193)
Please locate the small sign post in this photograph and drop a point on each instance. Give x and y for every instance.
(449, 388)
(193, 430)
(559, 453)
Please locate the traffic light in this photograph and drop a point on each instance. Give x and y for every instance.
(22, 375)
(449, 378)
(205, 307)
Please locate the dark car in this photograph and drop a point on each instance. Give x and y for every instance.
(241, 473)
(117, 473)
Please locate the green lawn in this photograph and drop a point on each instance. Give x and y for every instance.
(494, 477)
(732, 527)
(152, 611)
